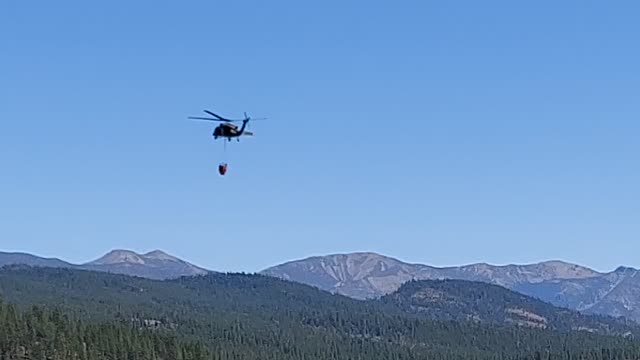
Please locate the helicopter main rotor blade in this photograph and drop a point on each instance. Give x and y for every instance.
(216, 116)
(220, 118)
(202, 118)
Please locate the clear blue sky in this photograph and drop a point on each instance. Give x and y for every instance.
(441, 132)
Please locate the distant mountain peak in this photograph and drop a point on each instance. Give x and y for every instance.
(557, 262)
(625, 270)
(569, 268)
(160, 255)
(119, 256)
(353, 255)
(155, 264)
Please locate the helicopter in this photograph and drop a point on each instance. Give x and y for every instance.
(227, 129)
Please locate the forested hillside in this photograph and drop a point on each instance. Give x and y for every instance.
(240, 316)
(50, 334)
(461, 300)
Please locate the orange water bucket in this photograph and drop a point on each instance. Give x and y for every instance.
(222, 169)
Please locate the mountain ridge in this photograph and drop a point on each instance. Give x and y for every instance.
(11, 258)
(155, 264)
(342, 270)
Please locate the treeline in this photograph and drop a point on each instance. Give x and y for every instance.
(236, 316)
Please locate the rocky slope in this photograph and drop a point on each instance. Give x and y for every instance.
(370, 275)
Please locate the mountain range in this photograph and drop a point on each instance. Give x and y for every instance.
(370, 275)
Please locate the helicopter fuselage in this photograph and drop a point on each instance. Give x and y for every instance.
(228, 130)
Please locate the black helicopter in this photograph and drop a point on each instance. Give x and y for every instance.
(228, 129)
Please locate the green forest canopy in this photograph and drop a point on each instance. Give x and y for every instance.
(238, 316)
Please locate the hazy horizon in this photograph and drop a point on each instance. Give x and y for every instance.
(142, 252)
